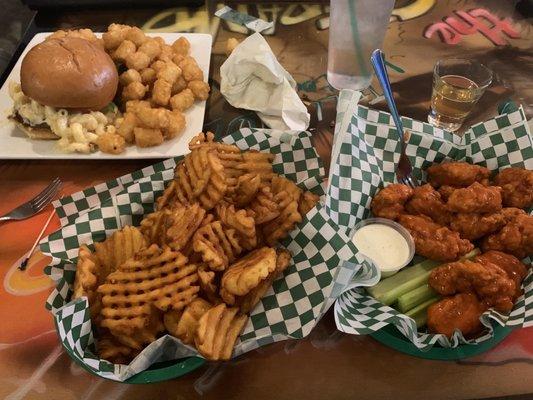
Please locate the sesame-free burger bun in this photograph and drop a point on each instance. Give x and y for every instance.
(69, 73)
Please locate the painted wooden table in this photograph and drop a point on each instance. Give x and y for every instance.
(327, 364)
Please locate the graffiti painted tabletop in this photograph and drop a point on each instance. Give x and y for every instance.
(32, 364)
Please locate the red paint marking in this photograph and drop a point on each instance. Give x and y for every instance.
(453, 29)
(447, 34)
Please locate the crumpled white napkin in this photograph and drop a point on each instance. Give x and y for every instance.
(253, 79)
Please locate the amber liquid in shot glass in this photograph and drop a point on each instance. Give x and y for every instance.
(454, 95)
(453, 98)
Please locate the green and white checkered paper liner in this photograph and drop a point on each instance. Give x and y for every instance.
(365, 153)
(322, 267)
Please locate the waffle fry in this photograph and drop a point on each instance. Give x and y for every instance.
(173, 227)
(218, 246)
(89, 274)
(244, 275)
(307, 202)
(241, 221)
(168, 196)
(203, 260)
(208, 140)
(118, 248)
(153, 226)
(250, 300)
(246, 189)
(183, 324)
(208, 285)
(155, 277)
(200, 177)
(217, 332)
(250, 162)
(264, 208)
(112, 350)
(141, 335)
(281, 184)
(182, 224)
(87, 270)
(280, 227)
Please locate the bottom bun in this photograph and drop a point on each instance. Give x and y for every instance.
(34, 132)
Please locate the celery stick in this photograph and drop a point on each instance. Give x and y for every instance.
(388, 290)
(415, 297)
(471, 255)
(420, 312)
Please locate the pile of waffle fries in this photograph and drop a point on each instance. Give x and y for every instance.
(199, 264)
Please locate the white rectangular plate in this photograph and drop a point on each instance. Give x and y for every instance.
(14, 144)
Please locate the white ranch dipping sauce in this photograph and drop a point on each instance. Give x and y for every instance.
(384, 245)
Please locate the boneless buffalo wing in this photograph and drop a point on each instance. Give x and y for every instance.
(434, 241)
(513, 267)
(517, 185)
(457, 210)
(460, 312)
(476, 198)
(389, 201)
(473, 226)
(457, 174)
(492, 279)
(427, 201)
(487, 280)
(515, 238)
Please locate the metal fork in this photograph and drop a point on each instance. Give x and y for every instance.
(404, 170)
(36, 204)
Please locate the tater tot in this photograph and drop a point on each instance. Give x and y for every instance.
(130, 76)
(158, 65)
(126, 49)
(137, 61)
(134, 105)
(181, 46)
(166, 53)
(148, 76)
(170, 72)
(113, 39)
(151, 48)
(179, 85)
(118, 27)
(200, 89)
(111, 143)
(161, 92)
(190, 70)
(178, 58)
(125, 129)
(134, 91)
(136, 35)
(183, 100)
(154, 118)
(160, 40)
(146, 137)
(176, 124)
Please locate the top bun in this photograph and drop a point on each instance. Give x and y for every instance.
(69, 73)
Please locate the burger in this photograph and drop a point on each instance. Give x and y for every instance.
(64, 80)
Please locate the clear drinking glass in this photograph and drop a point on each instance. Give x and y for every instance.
(356, 28)
(457, 86)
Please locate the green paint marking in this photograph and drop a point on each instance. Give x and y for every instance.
(394, 67)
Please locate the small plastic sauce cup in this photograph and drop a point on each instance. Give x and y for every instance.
(386, 243)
